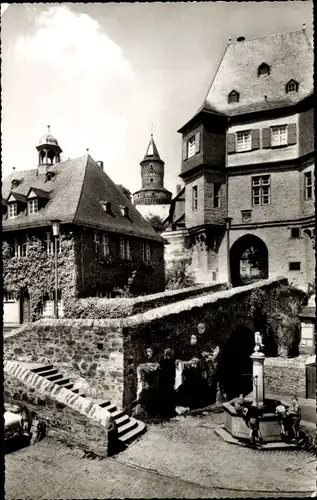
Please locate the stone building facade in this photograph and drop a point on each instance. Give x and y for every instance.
(104, 242)
(152, 198)
(248, 165)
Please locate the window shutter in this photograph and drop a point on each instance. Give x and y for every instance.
(255, 138)
(292, 134)
(184, 149)
(266, 137)
(231, 143)
(197, 142)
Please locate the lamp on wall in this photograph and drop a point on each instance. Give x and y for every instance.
(56, 233)
(228, 226)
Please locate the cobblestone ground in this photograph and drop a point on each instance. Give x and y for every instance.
(190, 449)
(180, 459)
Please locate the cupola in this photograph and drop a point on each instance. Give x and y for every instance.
(49, 152)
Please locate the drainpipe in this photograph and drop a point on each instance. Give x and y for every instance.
(227, 218)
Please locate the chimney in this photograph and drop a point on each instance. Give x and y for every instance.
(240, 39)
(100, 163)
(178, 188)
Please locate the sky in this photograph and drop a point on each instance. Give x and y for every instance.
(103, 75)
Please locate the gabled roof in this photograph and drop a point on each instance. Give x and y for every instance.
(289, 56)
(17, 196)
(78, 187)
(39, 193)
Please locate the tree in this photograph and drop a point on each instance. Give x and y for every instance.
(156, 222)
(178, 276)
(125, 191)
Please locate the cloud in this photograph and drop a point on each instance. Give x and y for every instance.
(66, 71)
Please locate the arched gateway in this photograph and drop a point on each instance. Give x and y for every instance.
(249, 260)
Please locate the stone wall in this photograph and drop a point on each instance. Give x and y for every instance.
(285, 376)
(69, 417)
(171, 326)
(82, 349)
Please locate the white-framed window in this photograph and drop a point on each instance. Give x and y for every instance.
(49, 243)
(261, 190)
(291, 86)
(279, 135)
(195, 197)
(17, 248)
(122, 248)
(105, 245)
(127, 249)
(96, 241)
(243, 140)
(217, 187)
(12, 210)
(308, 185)
(33, 206)
(191, 147)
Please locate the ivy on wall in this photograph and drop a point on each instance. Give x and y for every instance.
(34, 274)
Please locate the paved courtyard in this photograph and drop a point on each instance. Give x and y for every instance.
(179, 459)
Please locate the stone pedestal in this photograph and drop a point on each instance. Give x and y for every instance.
(258, 378)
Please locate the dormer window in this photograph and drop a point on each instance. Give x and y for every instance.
(49, 176)
(291, 86)
(263, 69)
(33, 206)
(12, 210)
(124, 211)
(106, 205)
(234, 96)
(15, 183)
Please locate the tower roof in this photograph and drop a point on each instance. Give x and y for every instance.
(48, 138)
(152, 152)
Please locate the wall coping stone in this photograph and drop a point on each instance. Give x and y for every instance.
(298, 362)
(191, 303)
(84, 406)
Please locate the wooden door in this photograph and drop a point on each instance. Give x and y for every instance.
(25, 316)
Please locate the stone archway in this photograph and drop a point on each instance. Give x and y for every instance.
(235, 364)
(249, 260)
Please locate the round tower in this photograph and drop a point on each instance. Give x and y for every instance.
(49, 152)
(152, 198)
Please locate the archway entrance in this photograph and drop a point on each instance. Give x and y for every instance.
(235, 364)
(249, 260)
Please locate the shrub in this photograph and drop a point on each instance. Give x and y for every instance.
(178, 275)
(95, 308)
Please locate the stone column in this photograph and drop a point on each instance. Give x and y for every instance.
(258, 378)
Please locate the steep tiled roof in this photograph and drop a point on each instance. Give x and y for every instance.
(289, 56)
(151, 151)
(76, 192)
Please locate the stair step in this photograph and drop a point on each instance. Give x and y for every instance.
(116, 414)
(137, 431)
(111, 408)
(47, 373)
(122, 420)
(124, 429)
(42, 368)
(63, 381)
(54, 377)
(102, 403)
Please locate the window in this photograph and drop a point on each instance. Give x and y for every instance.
(105, 245)
(191, 147)
(122, 248)
(291, 86)
(217, 187)
(146, 251)
(261, 190)
(234, 96)
(264, 69)
(9, 297)
(17, 248)
(195, 197)
(308, 185)
(279, 136)
(96, 241)
(127, 249)
(244, 142)
(49, 244)
(12, 210)
(294, 266)
(295, 232)
(33, 206)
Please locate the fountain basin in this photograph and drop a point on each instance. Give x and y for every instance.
(269, 426)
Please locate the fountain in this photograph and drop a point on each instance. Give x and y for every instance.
(235, 427)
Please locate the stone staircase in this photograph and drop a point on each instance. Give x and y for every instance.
(129, 428)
